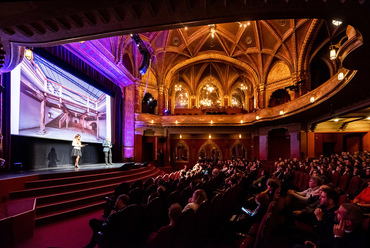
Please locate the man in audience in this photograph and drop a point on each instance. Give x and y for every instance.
(299, 199)
(105, 226)
(348, 233)
(307, 213)
(199, 196)
(326, 213)
(162, 238)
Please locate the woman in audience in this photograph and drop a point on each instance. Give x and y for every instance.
(163, 238)
(199, 196)
(363, 199)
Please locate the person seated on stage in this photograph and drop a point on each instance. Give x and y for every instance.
(105, 226)
(199, 196)
(363, 199)
(299, 199)
(163, 238)
(348, 233)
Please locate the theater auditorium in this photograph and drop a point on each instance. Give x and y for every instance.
(184, 123)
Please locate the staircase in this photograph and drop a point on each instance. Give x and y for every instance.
(55, 123)
(63, 195)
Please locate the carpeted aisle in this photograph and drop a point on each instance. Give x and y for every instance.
(71, 233)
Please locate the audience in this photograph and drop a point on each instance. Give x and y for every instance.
(239, 178)
(199, 196)
(163, 238)
(105, 226)
(348, 233)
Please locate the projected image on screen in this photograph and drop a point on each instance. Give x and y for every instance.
(49, 102)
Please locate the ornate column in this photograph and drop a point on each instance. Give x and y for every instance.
(137, 99)
(263, 146)
(261, 96)
(161, 105)
(294, 144)
(130, 102)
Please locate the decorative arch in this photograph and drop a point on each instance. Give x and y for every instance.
(186, 87)
(210, 143)
(279, 71)
(236, 143)
(205, 82)
(207, 57)
(179, 154)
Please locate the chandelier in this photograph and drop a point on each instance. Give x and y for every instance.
(178, 87)
(243, 87)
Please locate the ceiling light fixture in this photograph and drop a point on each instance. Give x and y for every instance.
(336, 22)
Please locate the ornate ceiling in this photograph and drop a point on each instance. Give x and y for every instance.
(236, 53)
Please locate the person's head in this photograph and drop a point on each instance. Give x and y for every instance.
(329, 198)
(199, 196)
(174, 212)
(77, 136)
(107, 138)
(262, 199)
(314, 182)
(351, 215)
(272, 185)
(122, 201)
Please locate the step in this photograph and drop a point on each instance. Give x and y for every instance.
(82, 185)
(69, 180)
(61, 205)
(73, 210)
(68, 213)
(41, 200)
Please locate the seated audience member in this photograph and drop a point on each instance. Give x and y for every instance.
(163, 238)
(299, 199)
(105, 226)
(348, 233)
(249, 217)
(199, 196)
(363, 199)
(326, 213)
(306, 214)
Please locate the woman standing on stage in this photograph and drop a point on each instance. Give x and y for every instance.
(76, 152)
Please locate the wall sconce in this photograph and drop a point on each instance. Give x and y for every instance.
(28, 54)
(340, 75)
(336, 120)
(180, 136)
(240, 136)
(211, 122)
(209, 136)
(152, 121)
(312, 99)
(334, 48)
(281, 112)
(176, 122)
(257, 117)
(241, 121)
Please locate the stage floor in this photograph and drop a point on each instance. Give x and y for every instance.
(58, 169)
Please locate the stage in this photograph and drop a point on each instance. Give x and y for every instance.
(57, 169)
